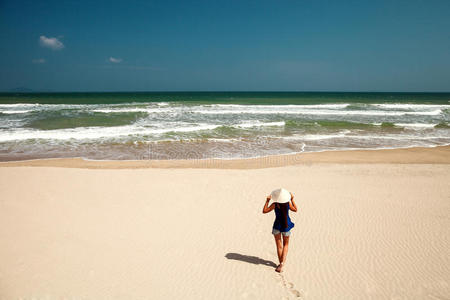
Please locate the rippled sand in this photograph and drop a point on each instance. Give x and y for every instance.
(374, 226)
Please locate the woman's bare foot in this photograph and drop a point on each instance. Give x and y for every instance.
(279, 269)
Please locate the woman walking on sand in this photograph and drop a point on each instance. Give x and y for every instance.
(283, 201)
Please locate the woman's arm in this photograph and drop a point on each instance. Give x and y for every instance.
(292, 205)
(267, 208)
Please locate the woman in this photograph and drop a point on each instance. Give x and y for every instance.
(283, 201)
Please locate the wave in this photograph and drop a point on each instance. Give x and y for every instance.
(312, 109)
(328, 124)
(315, 137)
(411, 106)
(442, 125)
(415, 125)
(86, 133)
(9, 112)
(345, 135)
(320, 112)
(397, 137)
(106, 108)
(327, 106)
(38, 106)
(127, 110)
(16, 105)
(218, 108)
(81, 133)
(62, 120)
(249, 124)
(385, 124)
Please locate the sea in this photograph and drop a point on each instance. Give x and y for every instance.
(224, 125)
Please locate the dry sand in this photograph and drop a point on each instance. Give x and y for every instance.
(363, 231)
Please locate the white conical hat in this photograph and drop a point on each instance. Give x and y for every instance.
(280, 195)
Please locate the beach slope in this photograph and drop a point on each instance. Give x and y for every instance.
(363, 231)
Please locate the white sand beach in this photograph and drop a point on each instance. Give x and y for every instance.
(375, 227)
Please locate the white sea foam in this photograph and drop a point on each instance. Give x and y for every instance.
(165, 107)
(15, 111)
(397, 137)
(125, 110)
(19, 105)
(315, 137)
(411, 106)
(85, 133)
(318, 112)
(46, 107)
(223, 140)
(224, 109)
(249, 124)
(415, 125)
(81, 133)
(83, 107)
(306, 106)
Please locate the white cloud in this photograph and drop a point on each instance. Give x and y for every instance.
(39, 61)
(115, 60)
(50, 42)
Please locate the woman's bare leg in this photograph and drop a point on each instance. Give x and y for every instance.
(279, 245)
(283, 253)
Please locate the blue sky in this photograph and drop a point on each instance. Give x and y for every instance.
(303, 45)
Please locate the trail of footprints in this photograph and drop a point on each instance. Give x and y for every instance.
(289, 286)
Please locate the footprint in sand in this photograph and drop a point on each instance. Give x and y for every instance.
(290, 287)
(296, 293)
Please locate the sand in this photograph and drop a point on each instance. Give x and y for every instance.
(436, 155)
(377, 227)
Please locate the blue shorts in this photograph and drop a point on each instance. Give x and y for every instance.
(276, 231)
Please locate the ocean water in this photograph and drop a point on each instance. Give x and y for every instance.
(130, 126)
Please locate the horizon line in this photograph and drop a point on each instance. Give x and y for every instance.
(221, 91)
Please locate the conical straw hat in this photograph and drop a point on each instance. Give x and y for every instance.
(280, 196)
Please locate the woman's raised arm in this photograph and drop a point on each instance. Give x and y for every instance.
(267, 208)
(292, 205)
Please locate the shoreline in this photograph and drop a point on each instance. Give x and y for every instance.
(415, 155)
